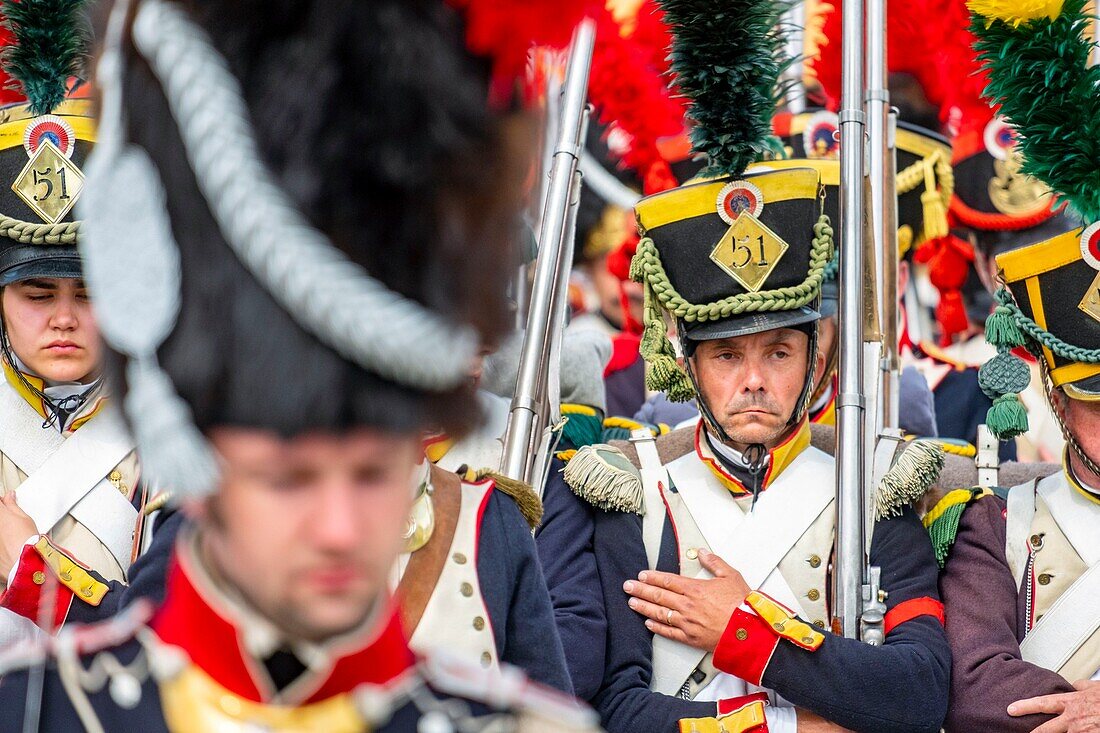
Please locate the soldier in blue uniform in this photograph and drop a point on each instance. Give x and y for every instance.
(291, 284)
(712, 544)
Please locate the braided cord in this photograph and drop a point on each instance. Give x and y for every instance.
(647, 267)
(917, 173)
(25, 232)
(1041, 336)
(329, 295)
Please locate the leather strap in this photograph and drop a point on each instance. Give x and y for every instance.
(653, 472)
(426, 564)
(1069, 623)
(1021, 512)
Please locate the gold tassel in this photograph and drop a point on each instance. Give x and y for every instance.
(529, 503)
(935, 211)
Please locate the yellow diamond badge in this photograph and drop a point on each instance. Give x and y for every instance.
(749, 251)
(1090, 304)
(50, 183)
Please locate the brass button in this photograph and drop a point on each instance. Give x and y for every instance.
(815, 561)
(814, 594)
(486, 659)
(466, 589)
(459, 558)
(39, 577)
(479, 623)
(66, 575)
(1044, 579)
(1037, 541)
(692, 553)
(819, 624)
(86, 592)
(779, 626)
(807, 640)
(742, 634)
(115, 475)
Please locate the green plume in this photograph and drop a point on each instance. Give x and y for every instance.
(1040, 75)
(727, 57)
(50, 44)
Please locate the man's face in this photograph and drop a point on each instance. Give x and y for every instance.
(606, 286)
(752, 383)
(307, 529)
(51, 328)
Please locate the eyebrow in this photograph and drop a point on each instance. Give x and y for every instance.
(41, 284)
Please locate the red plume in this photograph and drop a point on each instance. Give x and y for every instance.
(505, 30)
(627, 90)
(909, 48)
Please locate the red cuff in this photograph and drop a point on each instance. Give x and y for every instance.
(25, 594)
(746, 647)
(911, 609)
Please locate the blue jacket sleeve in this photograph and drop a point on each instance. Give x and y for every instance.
(900, 687)
(625, 702)
(146, 577)
(564, 543)
(515, 593)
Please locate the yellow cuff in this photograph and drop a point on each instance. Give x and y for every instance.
(784, 624)
(747, 718)
(71, 575)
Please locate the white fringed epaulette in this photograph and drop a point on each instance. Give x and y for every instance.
(913, 473)
(604, 477)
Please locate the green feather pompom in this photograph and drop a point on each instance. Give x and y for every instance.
(50, 44)
(727, 58)
(1039, 73)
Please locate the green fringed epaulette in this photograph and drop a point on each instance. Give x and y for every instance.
(528, 501)
(606, 479)
(913, 473)
(583, 425)
(942, 520)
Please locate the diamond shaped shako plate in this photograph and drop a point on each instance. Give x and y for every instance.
(49, 183)
(1090, 304)
(749, 252)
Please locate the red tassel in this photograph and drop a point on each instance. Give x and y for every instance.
(948, 259)
(618, 261)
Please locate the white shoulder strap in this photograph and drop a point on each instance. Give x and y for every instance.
(653, 473)
(1069, 623)
(1021, 511)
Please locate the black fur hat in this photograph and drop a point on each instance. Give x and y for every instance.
(372, 119)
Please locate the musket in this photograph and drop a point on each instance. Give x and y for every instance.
(848, 576)
(534, 406)
(882, 365)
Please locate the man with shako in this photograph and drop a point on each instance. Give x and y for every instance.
(1019, 580)
(294, 323)
(737, 259)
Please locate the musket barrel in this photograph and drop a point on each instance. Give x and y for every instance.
(848, 576)
(528, 405)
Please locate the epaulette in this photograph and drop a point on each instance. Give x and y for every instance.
(507, 689)
(604, 477)
(525, 497)
(942, 520)
(621, 428)
(583, 425)
(157, 502)
(566, 455)
(912, 474)
(954, 447)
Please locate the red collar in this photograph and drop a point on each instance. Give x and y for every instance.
(200, 621)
